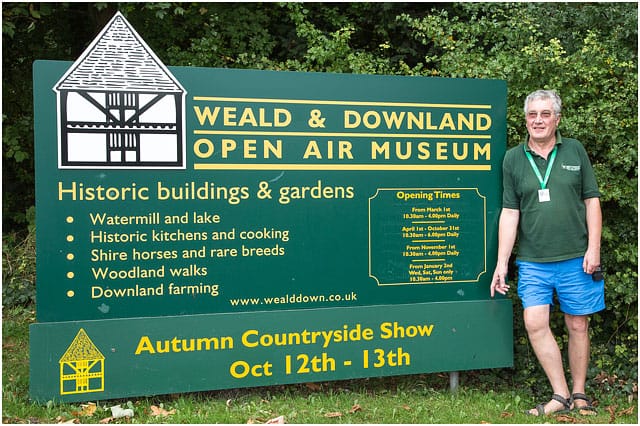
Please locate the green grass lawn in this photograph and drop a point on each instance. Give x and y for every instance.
(482, 397)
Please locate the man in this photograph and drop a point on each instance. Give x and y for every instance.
(551, 205)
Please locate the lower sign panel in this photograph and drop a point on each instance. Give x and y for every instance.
(105, 359)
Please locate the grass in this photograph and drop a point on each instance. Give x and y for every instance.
(481, 398)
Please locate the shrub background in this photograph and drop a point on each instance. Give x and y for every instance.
(587, 52)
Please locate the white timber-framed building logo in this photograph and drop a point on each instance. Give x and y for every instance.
(119, 107)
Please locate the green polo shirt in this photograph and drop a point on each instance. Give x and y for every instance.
(557, 229)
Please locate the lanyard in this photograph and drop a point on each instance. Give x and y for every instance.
(543, 183)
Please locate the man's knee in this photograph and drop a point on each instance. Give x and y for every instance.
(578, 324)
(536, 319)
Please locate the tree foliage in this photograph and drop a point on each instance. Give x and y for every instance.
(588, 52)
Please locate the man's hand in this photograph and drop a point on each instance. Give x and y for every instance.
(591, 261)
(499, 281)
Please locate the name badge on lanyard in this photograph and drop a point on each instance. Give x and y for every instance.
(543, 192)
(543, 195)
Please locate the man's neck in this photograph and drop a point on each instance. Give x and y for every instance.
(542, 148)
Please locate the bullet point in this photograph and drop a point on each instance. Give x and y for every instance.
(69, 219)
(70, 238)
(70, 256)
(70, 293)
(70, 275)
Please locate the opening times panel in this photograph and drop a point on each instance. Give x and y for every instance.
(427, 235)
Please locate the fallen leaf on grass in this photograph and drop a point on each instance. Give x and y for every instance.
(276, 421)
(586, 412)
(627, 412)
(62, 421)
(406, 407)
(333, 414)
(566, 419)
(355, 409)
(159, 411)
(87, 410)
(106, 420)
(506, 414)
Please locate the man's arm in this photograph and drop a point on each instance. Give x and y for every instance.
(507, 232)
(594, 229)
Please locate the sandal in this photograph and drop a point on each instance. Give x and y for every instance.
(555, 397)
(589, 408)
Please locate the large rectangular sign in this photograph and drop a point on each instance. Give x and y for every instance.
(233, 199)
(299, 191)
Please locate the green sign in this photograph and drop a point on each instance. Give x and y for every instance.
(146, 356)
(238, 207)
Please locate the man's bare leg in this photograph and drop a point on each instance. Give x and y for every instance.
(579, 349)
(536, 320)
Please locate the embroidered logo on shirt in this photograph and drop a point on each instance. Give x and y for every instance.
(571, 168)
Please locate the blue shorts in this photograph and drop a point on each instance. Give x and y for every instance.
(577, 293)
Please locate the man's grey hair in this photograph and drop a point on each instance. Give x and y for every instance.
(544, 94)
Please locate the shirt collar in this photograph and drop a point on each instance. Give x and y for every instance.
(558, 141)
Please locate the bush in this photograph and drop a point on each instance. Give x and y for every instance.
(18, 269)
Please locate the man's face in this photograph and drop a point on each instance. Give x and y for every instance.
(542, 121)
